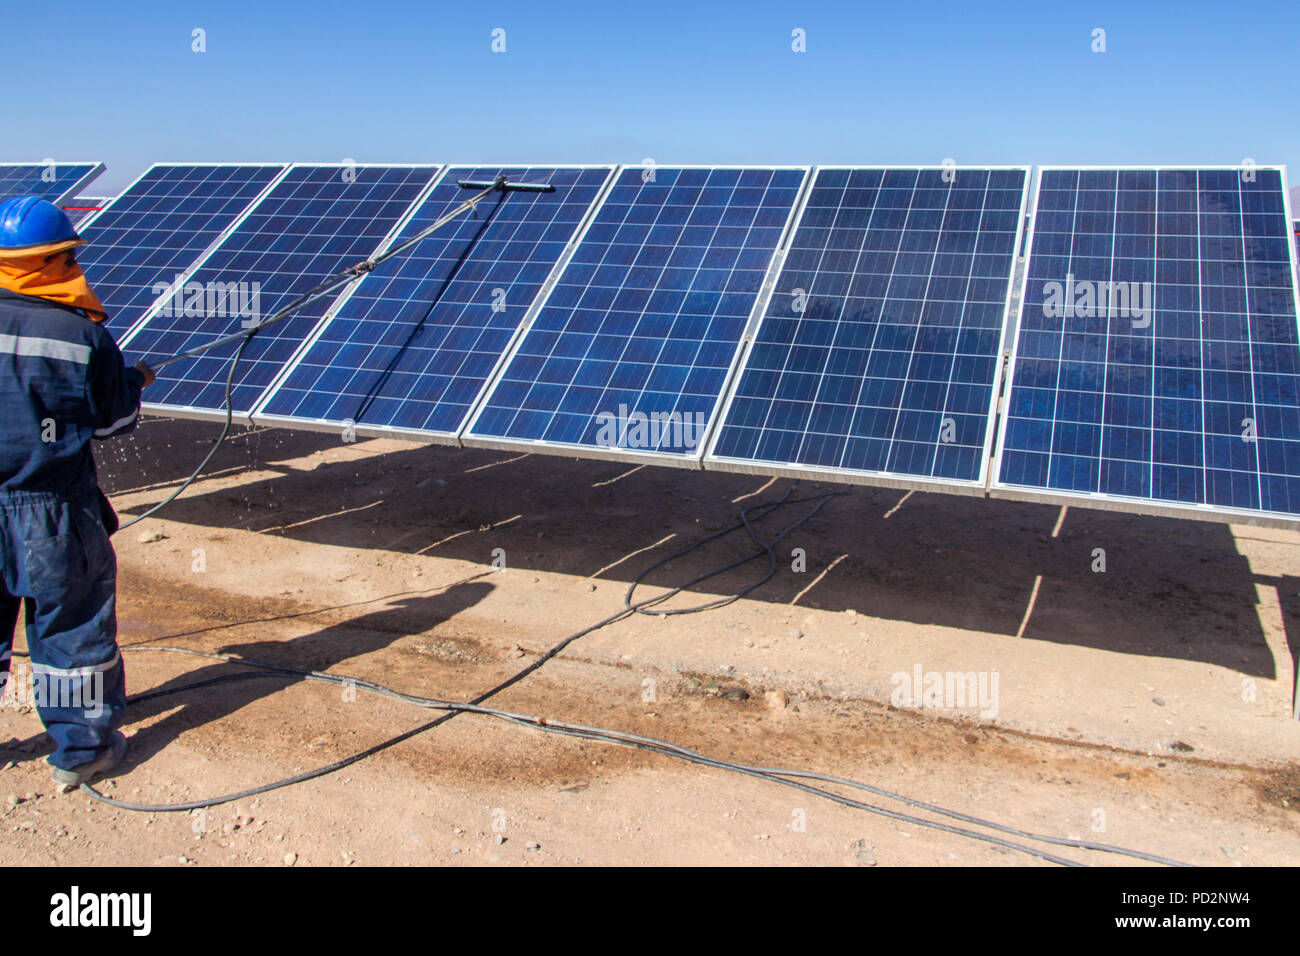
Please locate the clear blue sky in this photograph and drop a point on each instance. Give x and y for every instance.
(681, 82)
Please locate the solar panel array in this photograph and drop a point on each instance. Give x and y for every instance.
(1156, 365)
(56, 182)
(630, 352)
(145, 241)
(848, 323)
(415, 342)
(879, 351)
(315, 222)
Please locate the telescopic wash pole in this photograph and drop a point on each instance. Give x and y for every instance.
(500, 184)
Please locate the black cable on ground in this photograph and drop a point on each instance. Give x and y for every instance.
(628, 608)
(604, 735)
(618, 737)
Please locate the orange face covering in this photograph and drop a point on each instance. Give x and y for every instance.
(50, 272)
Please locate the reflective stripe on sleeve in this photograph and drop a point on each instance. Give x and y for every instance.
(30, 346)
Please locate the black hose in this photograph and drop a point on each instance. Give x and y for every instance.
(225, 430)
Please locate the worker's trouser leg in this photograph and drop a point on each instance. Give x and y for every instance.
(57, 556)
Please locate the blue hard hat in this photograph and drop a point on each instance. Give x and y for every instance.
(32, 222)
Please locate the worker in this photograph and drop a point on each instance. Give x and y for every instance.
(63, 383)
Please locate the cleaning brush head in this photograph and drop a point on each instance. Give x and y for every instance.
(503, 184)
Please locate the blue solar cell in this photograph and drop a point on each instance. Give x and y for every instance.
(315, 222)
(158, 228)
(1157, 355)
(53, 181)
(417, 340)
(879, 348)
(632, 348)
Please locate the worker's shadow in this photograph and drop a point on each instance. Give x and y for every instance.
(318, 651)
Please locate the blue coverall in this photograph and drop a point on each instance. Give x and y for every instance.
(62, 384)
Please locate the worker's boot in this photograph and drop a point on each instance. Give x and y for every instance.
(84, 773)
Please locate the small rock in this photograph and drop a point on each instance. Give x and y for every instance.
(149, 537)
(863, 853)
(1158, 701)
(591, 587)
(970, 738)
(796, 634)
(776, 699)
(184, 859)
(9, 765)
(499, 839)
(290, 859)
(734, 692)
(532, 847)
(1181, 747)
(13, 799)
(455, 851)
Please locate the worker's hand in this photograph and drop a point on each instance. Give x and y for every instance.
(147, 372)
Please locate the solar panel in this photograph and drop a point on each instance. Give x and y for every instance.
(56, 182)
(1156, 367)
(877, 357)
(415, 342)
(315, 222)
(629, 353)
(146, 240)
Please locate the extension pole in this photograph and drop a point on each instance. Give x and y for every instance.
(361, 268)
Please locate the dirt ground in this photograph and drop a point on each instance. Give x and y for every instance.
(1147, 705)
